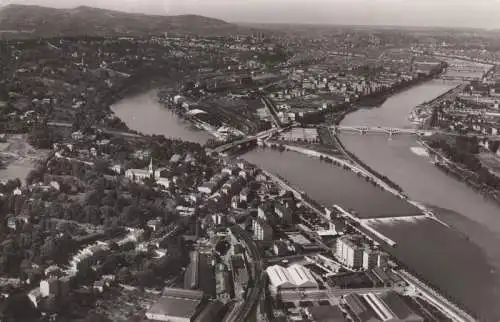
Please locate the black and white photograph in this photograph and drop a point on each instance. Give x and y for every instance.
(249, 161)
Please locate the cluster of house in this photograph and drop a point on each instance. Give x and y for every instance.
(56, 286)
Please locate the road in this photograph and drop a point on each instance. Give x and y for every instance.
(261, 135)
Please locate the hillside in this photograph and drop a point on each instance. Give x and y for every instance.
(47, 22)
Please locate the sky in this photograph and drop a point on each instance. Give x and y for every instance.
(447, 13)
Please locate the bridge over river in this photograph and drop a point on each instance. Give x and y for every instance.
(362, 129)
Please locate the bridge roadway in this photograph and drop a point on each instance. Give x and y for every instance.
(261, 135)
(380, 130)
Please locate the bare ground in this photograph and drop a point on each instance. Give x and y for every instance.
(18, 157)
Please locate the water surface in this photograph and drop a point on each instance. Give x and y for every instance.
(145, 114)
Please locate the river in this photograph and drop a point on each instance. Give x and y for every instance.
(145, 114)
(465, 268)
(455, 203)
(463, 262)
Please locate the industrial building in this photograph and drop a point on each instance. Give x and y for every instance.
(177, 305)
(389, 307)
(325, 313)
(295, 276)
(200, 274)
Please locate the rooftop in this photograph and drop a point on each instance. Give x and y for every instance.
(326, 313)
(177, 303)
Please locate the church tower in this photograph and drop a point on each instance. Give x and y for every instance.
(151, 170)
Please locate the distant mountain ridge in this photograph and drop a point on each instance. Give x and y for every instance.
(51, 22)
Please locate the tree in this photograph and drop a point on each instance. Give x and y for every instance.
(146, 278)
(49, 248)
(92, 215)
(96, 317)
(102, 166)
(124, 276)
(35, 175)
(494, 145)
(18, 307)
(41, 136)
(86, 273)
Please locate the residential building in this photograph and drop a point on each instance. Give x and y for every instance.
(154, 224)
(370, 258)
(49, 287)
(349, 253)
(262, 230)
(285, 213)
(17, 222)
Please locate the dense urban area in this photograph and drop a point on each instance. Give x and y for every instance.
(100, 222)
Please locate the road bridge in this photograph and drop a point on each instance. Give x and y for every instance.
(240, 143)
(362, 129)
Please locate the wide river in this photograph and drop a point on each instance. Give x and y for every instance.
(143, 113)
(465, 268)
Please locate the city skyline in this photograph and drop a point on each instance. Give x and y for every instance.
(426, 13)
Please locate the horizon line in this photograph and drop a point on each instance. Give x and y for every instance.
(236, 22)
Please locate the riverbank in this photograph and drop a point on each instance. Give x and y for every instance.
(145, 115)
(366, 102)
(454, 170)
(377, 99)
(421, 113)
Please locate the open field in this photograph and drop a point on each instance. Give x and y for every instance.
(18, 157)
